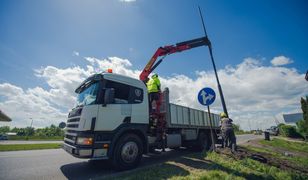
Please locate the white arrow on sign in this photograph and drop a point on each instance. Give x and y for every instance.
(206, 97)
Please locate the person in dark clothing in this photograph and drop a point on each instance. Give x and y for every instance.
(229, 139)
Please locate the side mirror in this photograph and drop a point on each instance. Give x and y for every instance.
(62, 125)
(109, 96)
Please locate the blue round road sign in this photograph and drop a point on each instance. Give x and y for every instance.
(206, 96)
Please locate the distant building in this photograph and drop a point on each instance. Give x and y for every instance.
(4, 117)
(291, 119)
(11, 134)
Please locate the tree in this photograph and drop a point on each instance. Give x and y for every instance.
(236, 127)
(29, 131)
(303, 124)
(304, 103)
(49, 131)
(289, 131)
(21, 132)
(4, 129)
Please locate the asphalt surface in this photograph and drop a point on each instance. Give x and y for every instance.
(57, 164)
(240, 139)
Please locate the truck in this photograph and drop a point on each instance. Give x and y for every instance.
(112, 120)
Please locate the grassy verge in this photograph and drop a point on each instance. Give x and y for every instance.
(289, 145)
(18, 147)
(239, 166)
(37, 138)
(298, 160)
(211, 166)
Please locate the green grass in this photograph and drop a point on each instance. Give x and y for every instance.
(37, 138)
(18, 147)
(211, 166)
(290, 146)
(242, 132)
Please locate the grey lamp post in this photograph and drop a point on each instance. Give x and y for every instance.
(214, 66)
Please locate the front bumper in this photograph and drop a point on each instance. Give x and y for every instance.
(86, 153)
(78, 152)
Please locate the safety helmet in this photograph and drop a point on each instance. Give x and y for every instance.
(154, 75)
(223, 115)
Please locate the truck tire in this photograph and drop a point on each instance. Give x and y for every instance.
(203, 142)
(128, 152)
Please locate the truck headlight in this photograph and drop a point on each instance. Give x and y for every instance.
(84, 141)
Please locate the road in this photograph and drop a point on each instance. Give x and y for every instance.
(57, 164)
(240, 139)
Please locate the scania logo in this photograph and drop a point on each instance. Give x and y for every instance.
(137, 92)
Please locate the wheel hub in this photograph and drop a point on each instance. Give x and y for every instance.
(129, 152)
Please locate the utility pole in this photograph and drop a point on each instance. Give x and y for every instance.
(28, 133)
(31, 122)
(214, 66)
(249, 124)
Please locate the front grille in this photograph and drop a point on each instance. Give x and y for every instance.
(72, 125)
(71, 129)
(70, 134)
(73, 120)
(70, 137)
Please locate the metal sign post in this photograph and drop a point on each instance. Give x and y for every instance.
(211, 129)
(206, 97)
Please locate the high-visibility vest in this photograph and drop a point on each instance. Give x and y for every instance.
(226, 123)
(153, 85)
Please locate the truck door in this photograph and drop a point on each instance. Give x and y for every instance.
(114, 114)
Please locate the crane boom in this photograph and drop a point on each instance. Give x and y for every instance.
(166, 50)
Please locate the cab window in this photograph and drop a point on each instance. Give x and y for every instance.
(125, 94)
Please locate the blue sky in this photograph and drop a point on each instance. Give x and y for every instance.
(37, 34)
(41, 33)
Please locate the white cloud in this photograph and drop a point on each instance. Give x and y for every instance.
(254, 93)
(127, 1)
(281, 60)
(75, 53)
(21, 105)
(118, 65)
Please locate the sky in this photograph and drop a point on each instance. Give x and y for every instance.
(48, 47)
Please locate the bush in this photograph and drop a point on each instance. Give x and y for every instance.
(289, 131)
(302, 128)
(58, 138)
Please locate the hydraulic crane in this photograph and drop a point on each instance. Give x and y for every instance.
(167, 50)
(182, 46)
(158, 119)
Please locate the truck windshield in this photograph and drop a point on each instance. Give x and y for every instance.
(88, 95)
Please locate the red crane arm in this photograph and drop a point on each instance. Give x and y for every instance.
(166, 50)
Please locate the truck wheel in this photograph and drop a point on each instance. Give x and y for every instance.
(203, 142)
(128, 152)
